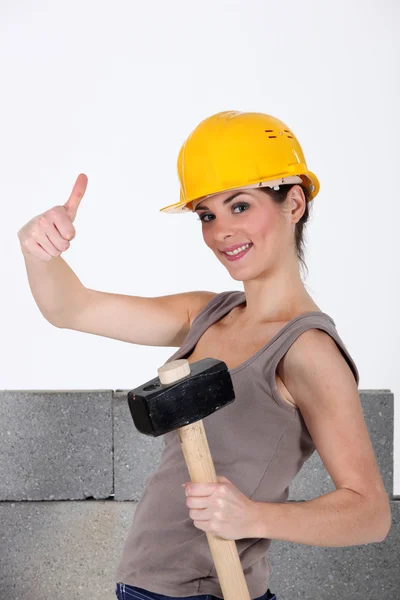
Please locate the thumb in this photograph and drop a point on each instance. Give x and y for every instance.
(78, 191)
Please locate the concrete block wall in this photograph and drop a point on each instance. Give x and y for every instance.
(73, 466)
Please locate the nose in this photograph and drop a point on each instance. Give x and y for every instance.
(223, 229)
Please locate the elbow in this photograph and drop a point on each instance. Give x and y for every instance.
(53, 321)
(382, 513)
(387, 525)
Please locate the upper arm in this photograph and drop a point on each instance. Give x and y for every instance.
(324, 389)
(158, 321)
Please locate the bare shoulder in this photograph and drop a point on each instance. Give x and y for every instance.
(313, 359)
(198, 300)
(311, 343)
(313, 366)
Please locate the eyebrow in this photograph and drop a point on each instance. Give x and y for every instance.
(224, 202)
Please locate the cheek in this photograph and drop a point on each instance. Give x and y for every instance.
(261, 226)
(206, 236)
(209, 235)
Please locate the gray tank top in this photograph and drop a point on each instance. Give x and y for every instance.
(259, 442)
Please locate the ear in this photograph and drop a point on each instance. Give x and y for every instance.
(296, 202)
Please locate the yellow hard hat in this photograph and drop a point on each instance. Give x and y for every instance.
(234, 150)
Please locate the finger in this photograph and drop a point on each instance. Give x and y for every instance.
(48, 226)
(200, 489)
(44, 241)
(62, 223)
(197, 502)
(36, 250)
(199, 515)
(72, 204)
(203, 525)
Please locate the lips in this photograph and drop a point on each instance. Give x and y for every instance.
(239, 255)
(235, 246)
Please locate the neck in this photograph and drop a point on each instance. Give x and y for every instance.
(278, 295)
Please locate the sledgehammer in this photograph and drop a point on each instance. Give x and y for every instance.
(178, 399)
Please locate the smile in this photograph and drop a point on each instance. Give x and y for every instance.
(237, 255)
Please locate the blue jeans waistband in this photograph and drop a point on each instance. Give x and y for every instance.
(129, 592)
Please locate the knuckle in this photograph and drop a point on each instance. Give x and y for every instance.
(222, 490)
(41, 221)
(55, 211)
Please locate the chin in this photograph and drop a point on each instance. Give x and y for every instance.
(236, 278)
(248, 274)
(238, 275)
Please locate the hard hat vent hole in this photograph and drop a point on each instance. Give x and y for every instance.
(287, 131)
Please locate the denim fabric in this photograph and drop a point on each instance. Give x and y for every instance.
(129, 592)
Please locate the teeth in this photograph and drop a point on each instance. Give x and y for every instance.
(238, 250)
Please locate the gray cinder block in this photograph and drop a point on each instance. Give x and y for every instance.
(62, 550)
(56, 445)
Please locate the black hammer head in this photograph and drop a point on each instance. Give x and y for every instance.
(157, 408)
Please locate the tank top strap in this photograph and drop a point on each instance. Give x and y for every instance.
(289, 334)
(218, 306)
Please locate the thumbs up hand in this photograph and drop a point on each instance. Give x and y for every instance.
(48, 235)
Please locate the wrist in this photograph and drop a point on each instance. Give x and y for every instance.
(258, 520)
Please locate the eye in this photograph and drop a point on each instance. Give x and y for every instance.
(238, 205)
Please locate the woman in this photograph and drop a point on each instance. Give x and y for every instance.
(295, 383)
(245, 176)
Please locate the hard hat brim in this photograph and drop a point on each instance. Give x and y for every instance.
(189, 206)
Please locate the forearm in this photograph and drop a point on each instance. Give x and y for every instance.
(340, 518)
(55, 287)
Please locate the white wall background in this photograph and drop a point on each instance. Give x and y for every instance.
(112, 89)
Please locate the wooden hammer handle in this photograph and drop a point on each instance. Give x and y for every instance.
(224, 552)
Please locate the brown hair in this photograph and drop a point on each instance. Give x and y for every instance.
(279, 197)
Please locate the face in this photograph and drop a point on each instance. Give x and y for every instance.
(249, 217)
